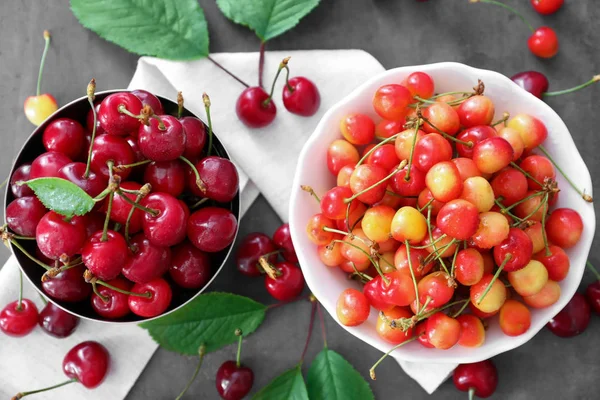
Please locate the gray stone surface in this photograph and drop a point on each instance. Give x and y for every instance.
(397, 33)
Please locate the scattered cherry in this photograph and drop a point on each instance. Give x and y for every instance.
(39, 107)
(301, 96)
(252, 247)
(479, 379)
(547, 7)
(57, 322)
(573, 319)
(255, 108)
(288, 282)
(233, 379)
(18, 320)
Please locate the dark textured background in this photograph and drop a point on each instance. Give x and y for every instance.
(396, 32)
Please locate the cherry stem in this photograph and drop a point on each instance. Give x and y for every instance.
(412, 275)
(20, 302)
(23, 394)
(121, 167)
(43, 61)
(238, 333)
(527, 174)
(394, 171)
(433, 243)
(454, 261)
(32, 258)
(442, 236)
(310, 329)
(206, 101)
(104, 237)
(375, 264)
(509, 8)
(503, 210)
(43, 299)
(471, 393)
(150, 211)
(200, 202)
(311, 191)
(593, 269)
(523, 200)
(212, 60)
(322, 322)
(594, 79)
(461, 309)
(544, 236)
(425, 206)
(469, 144)
(283, 303)
(532, 213)
(97, 293)
(179, 104)
(378, 145)
(507, 258)
(363, 277)
(372, 370)
(129, 216)
(201, 353)
(412, 151)
(352, 237)
(91, 88)
(290, 88)
(585, 196)
(146, 294)
(282, 65)
(261, 63)
(199, 182)
(23, 237)
(502, 120)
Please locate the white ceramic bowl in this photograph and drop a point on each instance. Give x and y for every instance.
(327, 283)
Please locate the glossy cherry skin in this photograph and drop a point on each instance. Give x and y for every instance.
(252, 247)
(254, 108)
(283, 240)
(88, 362)
(158, 303)
(17, 323)
(474, 135)
(65, 136)
(38, 108)
(105, 258)
(21, 174)
(120, 208)
(481, 376)
(168, 227)
(112, 120)
(190, 267)
(547, 7)
(159, 144)
(57, 322)
(519, 246)
(288, 285)
(543, 42)
(68, 286)
(93, 185)
(56, 237)
(430, 150)
(110, 147)
(301, 96)
(24, 214)
(166, 176)
(149, 99)
(233, 381)
(211, 229)
(195, 137)
(573, 319)
(48, 164)
(146, 261)
(117, 304)
(220, 177)
(592, 294)
(534, 82)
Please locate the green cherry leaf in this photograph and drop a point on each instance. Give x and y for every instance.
(331, 377)
(171, 29)
(62, 196)
(267, 18)
(289, 386)
(210, 319)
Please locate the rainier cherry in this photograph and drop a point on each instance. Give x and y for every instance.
(564, 227)
(391, 101)
(479, 379)
(234, 380)
(352, 307)
(39, 107)
(357, 129)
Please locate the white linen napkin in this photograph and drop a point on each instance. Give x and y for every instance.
(266, 159)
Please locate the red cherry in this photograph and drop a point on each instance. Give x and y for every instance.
(21, 174)
(543, 42)
(93, 185)
(534, 82)
(385, 129)
(24, 214)
(301, 96)
(283, 240)
(592, 294)
(333, 203)
(115, 122)
(105, 258)
(511, 184)
(420, 84)
(110, 147)
(547, 7)
(288, 285)
(148, 98)
(18, 322)
(411, 187)
(234, 381)
(164, 142)
(166, 176)
(384, 156)
(120, 208)
(430, 150)
(88, 362)
(65, 136)
(374, 291)
(573, 319)
(190, 267)
(146, 261)
(254, 108)
(57, 322)
(458, 219)
(480, 378)
(117, 304)
(557, 263)
(220, 177)
(167, 228)
(195, 137)
(68, 286)
(56, 237)
(564, 227)
(519, 246)
(252, 247)
(89, 121)
(156, 304)
(48, 164)
(212, 229)
(474, 135)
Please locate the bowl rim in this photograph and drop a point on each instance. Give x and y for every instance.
(297, 227)
(35, 132)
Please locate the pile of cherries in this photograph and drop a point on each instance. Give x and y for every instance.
(162, 206)
(440, 209)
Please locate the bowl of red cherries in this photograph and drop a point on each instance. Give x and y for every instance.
(442, 214)
(122, 206)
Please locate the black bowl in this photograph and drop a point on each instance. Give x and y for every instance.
(33, 147)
